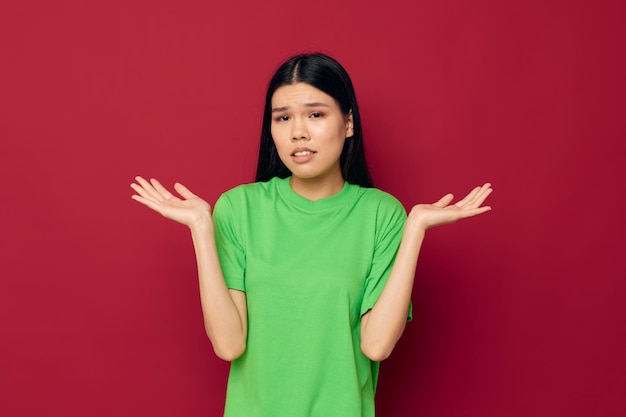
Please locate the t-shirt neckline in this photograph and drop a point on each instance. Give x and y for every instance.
(336, 200)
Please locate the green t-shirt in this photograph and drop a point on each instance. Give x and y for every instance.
(310, 270)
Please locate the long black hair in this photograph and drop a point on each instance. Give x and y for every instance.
(327, 75)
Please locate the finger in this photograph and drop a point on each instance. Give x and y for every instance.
(474, 212)
(469, 197)
(149, 189)
(154, 205)
(480, 199)
(142, 192)
(481, 196)
(444, 201)
(476, 197)
(162, 190)
(184, 191)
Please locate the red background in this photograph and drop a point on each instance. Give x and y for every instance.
(517, 313)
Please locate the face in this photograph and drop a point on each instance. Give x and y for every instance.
(309, 131)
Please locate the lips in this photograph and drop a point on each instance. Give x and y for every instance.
(302, 155)
(302, 152)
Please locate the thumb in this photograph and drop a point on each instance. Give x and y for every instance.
(444, 201)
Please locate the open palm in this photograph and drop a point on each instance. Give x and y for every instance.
(187, 210)
(442, 212)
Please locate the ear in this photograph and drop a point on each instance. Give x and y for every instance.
(349, 125)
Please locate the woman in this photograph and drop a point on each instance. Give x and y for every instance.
(306, 274)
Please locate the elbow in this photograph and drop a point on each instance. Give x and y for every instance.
(231, 353)
(376, 353)
(227, 348)
(378, 347)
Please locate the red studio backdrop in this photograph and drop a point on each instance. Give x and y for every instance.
(517, 313)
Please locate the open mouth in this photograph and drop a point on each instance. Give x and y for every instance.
(302, 153)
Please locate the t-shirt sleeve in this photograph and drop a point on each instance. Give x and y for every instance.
(390, 221)
(228, 240)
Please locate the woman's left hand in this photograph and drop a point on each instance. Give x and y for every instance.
(442, 212)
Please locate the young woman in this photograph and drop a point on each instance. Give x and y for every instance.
(306, 274)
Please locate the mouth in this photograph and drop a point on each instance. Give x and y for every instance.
(302, 152)
(302, 155)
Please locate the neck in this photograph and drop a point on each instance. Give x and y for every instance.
(317, 188)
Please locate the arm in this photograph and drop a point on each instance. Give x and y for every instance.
(382, 326)
(224, 310)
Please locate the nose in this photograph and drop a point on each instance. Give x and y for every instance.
(299, 130)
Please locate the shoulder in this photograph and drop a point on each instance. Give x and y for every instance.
(381, 200)
(241, 195)
(251, 189)
(386, 213)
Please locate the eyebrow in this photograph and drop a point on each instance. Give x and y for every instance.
(281, 109)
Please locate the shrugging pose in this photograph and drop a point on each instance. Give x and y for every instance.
(306, 274)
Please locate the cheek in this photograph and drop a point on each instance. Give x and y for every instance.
(327, 132)
(273, 132)
(281, 149)
(280, 130)
(276, 134)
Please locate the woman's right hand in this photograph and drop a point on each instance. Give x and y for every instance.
(189, 210)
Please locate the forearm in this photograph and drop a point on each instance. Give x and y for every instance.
(225, 319)
(383, 325)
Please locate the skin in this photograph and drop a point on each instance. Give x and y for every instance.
(224, 310)
(382, 326)
(307, 120)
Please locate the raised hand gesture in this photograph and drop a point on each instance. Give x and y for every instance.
(188, 210)
(442, 212)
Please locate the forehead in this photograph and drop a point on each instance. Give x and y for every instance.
(300, 94)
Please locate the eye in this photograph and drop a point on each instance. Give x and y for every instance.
(316, 115)
(282, 118)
